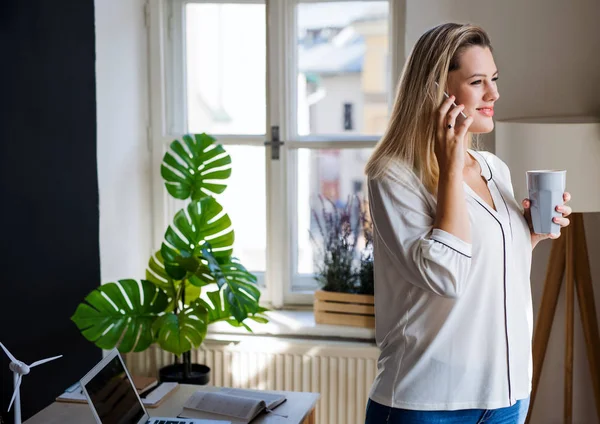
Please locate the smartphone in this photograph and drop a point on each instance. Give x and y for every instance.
(455, 105)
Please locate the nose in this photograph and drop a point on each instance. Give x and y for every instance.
(492, 94)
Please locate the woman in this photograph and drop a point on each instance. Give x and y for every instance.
(454, 317)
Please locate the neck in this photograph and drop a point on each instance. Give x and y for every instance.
(471, 164)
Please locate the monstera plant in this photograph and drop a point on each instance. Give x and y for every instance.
(193, 280)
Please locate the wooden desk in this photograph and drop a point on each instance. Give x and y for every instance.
(299, 407)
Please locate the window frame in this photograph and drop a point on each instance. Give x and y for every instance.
(168, 108)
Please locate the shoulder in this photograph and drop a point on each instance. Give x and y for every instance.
(398, 176)
(399, 188)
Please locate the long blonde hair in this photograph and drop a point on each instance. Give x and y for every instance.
(410, 135)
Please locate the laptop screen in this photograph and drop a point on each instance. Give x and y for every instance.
(113, 395)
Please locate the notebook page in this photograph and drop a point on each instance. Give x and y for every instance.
(271, 399)
(224, 404)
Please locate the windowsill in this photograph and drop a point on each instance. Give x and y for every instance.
(295, 323)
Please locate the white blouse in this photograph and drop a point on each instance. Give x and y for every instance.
(454, 320)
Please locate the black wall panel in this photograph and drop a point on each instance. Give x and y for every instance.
(49, 218)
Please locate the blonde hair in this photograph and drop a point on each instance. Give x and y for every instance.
(410, 135)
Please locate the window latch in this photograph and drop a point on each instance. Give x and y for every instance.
(275, 143)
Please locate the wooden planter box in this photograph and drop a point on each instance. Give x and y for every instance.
(356, 310)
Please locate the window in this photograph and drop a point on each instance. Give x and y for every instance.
(336, 174)
(225, 72)
(348, 117)
(321, 72)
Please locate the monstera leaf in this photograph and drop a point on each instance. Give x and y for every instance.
(179, 333)
(236, 294)
(195, 167)
(121, 313)
(237, 284)
(194, 226)
(219, 310)
(157, 275)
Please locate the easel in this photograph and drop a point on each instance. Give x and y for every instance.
(569, 256)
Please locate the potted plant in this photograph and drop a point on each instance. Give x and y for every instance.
(344, 271)
(191, 282)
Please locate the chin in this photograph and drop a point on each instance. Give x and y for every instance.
(482, 127)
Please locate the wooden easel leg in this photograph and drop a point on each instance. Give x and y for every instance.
(554, 275)
(585, 296)
(569, 319)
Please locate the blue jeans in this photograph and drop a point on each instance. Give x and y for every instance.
(516, 414)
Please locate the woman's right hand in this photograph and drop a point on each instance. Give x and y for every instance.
(450, 138)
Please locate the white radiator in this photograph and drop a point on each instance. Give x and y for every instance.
(342, 372)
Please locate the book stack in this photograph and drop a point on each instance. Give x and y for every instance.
(143, 384)
(150, 390)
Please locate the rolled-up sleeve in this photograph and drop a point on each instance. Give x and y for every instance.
(429, 258)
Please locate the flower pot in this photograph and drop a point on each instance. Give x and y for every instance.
(356, 310)
(199, 374)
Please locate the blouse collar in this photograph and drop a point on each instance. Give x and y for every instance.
(486, 171)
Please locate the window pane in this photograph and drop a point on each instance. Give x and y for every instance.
(244, 201)
(343, 67)
(226, 68)
(334, 174)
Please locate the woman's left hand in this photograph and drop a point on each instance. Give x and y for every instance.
(563, 222)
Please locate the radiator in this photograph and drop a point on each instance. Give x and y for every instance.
(342, 372)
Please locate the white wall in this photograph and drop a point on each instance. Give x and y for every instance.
(549, 63)
(327, 115)
(123, 158)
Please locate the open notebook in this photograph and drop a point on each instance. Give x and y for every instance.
(238, 405)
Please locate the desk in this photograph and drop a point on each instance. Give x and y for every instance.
(299, 407)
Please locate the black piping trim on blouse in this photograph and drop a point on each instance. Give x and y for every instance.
(506, 207)
(458, 251)
(505, 317)
(486, 164)
(501, 196)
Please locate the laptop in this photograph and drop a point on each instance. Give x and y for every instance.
(113, 398)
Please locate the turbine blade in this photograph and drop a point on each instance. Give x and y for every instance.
(43, 361)
(15, 392)
(12, 358)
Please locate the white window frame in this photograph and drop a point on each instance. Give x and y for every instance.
(168, 113)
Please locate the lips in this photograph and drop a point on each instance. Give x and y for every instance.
(487, 111)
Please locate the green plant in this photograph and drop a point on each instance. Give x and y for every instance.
(340, 265)
(193, 280)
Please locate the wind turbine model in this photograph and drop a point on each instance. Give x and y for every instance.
(20, 369)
